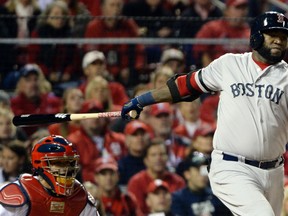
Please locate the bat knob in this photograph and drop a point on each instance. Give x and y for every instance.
(133, 114)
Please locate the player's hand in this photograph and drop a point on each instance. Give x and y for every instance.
(129, 106)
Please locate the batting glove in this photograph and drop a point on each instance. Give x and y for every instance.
(129, 106)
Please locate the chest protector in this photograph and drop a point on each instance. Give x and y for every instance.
(44, 204)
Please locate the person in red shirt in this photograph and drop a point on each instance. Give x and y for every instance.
(137, 135)
(30, 97)
(161, 121)
(159, 198)
(59, 62)
(98, 89)
(114, 201)
(190, 120)
(233, 26)
(94, 139)
(94, 64)
(155, 159)
(119, 56)
(72, 103)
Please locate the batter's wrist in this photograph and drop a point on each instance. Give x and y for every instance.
(146, 99)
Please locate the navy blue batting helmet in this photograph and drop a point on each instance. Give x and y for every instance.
(267, 21)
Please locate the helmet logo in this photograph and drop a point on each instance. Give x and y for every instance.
(280, 18)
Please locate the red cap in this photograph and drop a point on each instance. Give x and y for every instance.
(105, 163)
(157, 183)
(236, 3)
(135, 125)
(204, 130)
(91, 106)
(160, 108)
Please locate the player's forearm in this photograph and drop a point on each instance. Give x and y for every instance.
(158, 95)
(162, 94)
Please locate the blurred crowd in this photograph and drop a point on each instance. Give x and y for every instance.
(157, 163)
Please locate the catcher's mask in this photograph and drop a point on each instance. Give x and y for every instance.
(56, 161)
(270, 20)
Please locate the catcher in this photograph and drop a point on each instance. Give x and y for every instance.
(52, 189)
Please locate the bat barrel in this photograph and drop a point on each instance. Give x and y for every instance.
(39, 119)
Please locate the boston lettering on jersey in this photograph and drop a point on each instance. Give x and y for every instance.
(261, 91)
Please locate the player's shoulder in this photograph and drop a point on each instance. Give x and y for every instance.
(284, 65)
(90, 198)
(228, 59)
(239, 56)
(13, 195)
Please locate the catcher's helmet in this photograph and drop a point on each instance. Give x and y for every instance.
(267, 21)
(56, 161)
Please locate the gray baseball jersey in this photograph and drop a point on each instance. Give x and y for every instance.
(253, 110)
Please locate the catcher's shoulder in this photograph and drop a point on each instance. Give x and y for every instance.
(12, 195)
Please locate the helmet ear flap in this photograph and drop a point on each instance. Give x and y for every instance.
(256, 40)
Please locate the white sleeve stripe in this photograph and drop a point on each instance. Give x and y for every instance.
(203, 89)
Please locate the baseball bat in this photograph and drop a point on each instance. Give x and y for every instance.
(40, 119)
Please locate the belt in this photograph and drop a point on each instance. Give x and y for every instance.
(259, 164)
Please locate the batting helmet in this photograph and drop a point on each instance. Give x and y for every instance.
(56, 161)
(267, 21)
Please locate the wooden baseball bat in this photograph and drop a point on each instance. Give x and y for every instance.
(40, 119)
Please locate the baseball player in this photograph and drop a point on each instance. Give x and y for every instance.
(246, 171)
(53, 189)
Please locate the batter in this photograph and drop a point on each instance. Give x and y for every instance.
(246, 172)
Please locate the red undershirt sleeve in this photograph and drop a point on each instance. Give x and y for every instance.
(187, 82)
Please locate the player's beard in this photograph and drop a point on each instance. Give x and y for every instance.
(265, 52)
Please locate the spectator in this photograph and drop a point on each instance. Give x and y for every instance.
(151, 23)
(31, 96)
(189, 119)
(233, 26)
(15, 161)
(175, 59)
(148, 9)
(197, 198)
(155, 159)
(8, 131)
(161, 122)
(159, 198)
(202, 142)
(8, 29)
(73, 100)
(177, 6)
(94, 139)
(59, 62)
(114, 201)
(94, 64)
(161, 76)
(208, 109)
(123, 61)
(195, 16)
(137, 136)
(98, 89)
(93, 6)
(79, 17)
(26, 12)
(52, 189)
(43, 4)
